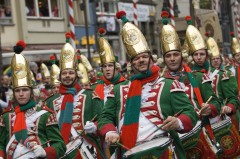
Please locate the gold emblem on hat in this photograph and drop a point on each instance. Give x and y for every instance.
(168, 37)
(132, 37)
(20, 71)
(67, 55)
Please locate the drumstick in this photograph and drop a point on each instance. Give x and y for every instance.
(160, 127)
(123, 146)
(205, 103)
(31, 150)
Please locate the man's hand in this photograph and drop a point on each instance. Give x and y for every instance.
(171, 123)
(39, 151)
(205, 110)
(226, 110)
(112, 137)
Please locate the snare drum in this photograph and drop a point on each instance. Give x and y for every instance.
(223, 125)
(149, 149)
(73, 145)
(191, 138)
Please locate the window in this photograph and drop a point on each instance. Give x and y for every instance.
(43, 8)
(5, 12)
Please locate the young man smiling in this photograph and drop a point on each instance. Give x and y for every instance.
(28, 132)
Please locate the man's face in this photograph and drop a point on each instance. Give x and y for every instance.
(22, 95)
(5, 80)
(68, 77)
(55, 88)
(173, 60)
(46, 80)
(140, 62)
(199, 57)
(108, 70)
(216, 62)
(237, 58)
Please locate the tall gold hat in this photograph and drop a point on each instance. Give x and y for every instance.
(83, 71)
(235, 46)
(194, 38)
(105, 50)
(133, 39)
(85, 62)
(44, 70)
(212, 46)
(185, 49)
(55, 71)
(169, 38)
(21, 75)
(68, 59)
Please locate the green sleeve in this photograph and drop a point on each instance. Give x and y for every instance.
(3, 138)
(206, 92)
(58, 147)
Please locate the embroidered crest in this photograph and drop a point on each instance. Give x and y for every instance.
(194, 153)
(227, 142)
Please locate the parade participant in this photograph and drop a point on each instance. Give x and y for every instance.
(54, 73)
(196, 143)
(46, 79)
(223, 82)
(111, 73)
(145, 111)
(198, 50)
(90, 70)
(235, 49)
(74, 109)
(27, 132)
(84, 79)
(111, 76)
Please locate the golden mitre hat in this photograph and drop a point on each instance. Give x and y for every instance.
(86, 63)
(83, 71)
(194, 38)
(105, 50)
(212, 46)
(133, 39)
(55, 71)
(44, 70)
(67, 57)
(235, 46)
(169, 37)
(33, 79)
(21, 75)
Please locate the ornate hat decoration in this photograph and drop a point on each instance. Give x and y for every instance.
(105, 50)
(85, 62)
(55, 71)
(44, 70)
(169, 37)
(212, 46)
(83, 71)
(194, 38)
(235, 46)
(21, 75)
(68, 59)
(185, 50)
(133, 39)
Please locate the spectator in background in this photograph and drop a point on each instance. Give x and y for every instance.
(4, 92)
(55, 11)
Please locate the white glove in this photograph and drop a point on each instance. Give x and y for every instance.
(1, 157)
(90, 127)
(39, 151)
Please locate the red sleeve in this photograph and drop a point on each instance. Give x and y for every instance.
(214, 111)
(233, 107)
(187, 123)
(2, 153)
(106, 128)
(51, 152)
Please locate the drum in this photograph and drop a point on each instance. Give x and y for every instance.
(149, 149)
(223, 125)
(190, 139)
(73, 145)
